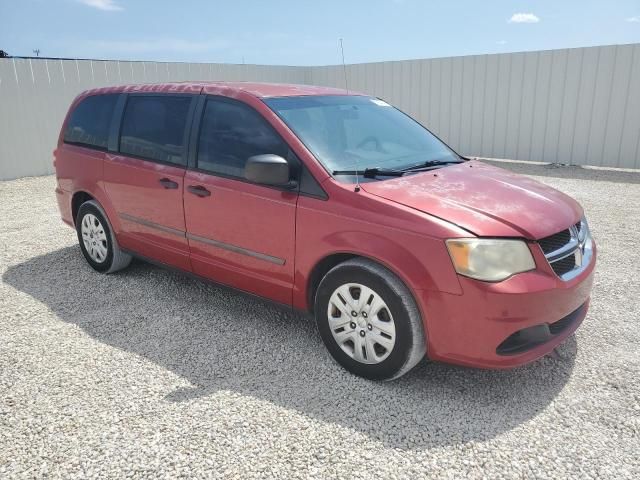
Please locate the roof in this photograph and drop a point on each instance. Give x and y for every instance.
(261, 90)
(278, 89)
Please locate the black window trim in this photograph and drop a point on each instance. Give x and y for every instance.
(292, 157)
(88, 145)
(114, 131)
(118, 121)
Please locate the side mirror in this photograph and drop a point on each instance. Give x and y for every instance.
(269, 170)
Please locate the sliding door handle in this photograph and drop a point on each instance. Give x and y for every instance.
(199, 190)
(166, 183)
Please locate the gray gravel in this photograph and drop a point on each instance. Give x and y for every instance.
(147, 373)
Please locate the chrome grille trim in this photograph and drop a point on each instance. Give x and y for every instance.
(563, 251)
(580, 246)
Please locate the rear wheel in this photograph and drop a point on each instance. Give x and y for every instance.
(97, 241)
(369, 321)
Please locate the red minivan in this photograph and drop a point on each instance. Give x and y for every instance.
(334, 203)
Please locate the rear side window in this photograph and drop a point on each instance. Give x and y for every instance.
(90, 120)
(154, 128)
(231, 132)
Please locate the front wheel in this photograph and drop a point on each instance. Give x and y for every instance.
(369, 321)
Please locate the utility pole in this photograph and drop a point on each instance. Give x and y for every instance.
(37, 52)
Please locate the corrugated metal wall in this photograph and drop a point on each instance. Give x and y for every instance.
(578, 106)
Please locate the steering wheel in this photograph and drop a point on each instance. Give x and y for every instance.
(371, 139)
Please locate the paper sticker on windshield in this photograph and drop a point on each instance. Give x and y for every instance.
(380, 103)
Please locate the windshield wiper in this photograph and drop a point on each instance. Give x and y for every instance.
(374, 172)
(371, 172)
(429, 164)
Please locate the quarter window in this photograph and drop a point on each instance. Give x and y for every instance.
(90, 121)
(231, 132)
(153, 127)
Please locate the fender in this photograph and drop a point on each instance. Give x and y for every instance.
(409, 260)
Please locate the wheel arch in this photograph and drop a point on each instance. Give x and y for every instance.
(84, 193)
(319, 270)
(326, 263)
(78, 199)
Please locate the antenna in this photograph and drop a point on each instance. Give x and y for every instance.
(346, 86)
(344, 67)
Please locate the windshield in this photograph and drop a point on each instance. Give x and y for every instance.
(347, 132)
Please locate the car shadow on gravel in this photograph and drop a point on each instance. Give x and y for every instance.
(218, 340)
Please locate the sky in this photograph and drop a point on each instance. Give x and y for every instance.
(301, 32)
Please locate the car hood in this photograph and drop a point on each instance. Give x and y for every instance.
(483, 199)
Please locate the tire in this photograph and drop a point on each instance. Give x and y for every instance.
(391, 339)
(102, 251)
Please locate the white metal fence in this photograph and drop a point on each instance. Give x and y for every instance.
(578, 106)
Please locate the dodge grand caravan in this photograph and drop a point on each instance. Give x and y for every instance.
(331, 202)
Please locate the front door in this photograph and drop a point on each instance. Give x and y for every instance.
(239, 233)
(145, 179)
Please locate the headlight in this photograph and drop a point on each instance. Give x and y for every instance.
(491, 260)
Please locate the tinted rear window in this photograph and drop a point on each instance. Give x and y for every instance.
(90, 120)
(153, 128)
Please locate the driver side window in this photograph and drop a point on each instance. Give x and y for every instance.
(230, 133)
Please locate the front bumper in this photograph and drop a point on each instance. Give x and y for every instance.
(474, 329)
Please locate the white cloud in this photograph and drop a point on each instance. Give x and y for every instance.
(524, 18)
(635, 19)
(106, 5)
(501, 42)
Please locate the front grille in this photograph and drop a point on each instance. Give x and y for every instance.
(568, 251)
(564, 265)
(554, 242)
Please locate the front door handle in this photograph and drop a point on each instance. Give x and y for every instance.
(199, 190)
(166, 183)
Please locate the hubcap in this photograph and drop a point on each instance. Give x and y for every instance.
(370, 334)
(94, 238)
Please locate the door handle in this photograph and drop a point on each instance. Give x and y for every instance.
(199, 190)
(166, 183)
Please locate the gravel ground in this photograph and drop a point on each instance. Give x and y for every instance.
(147, 373)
